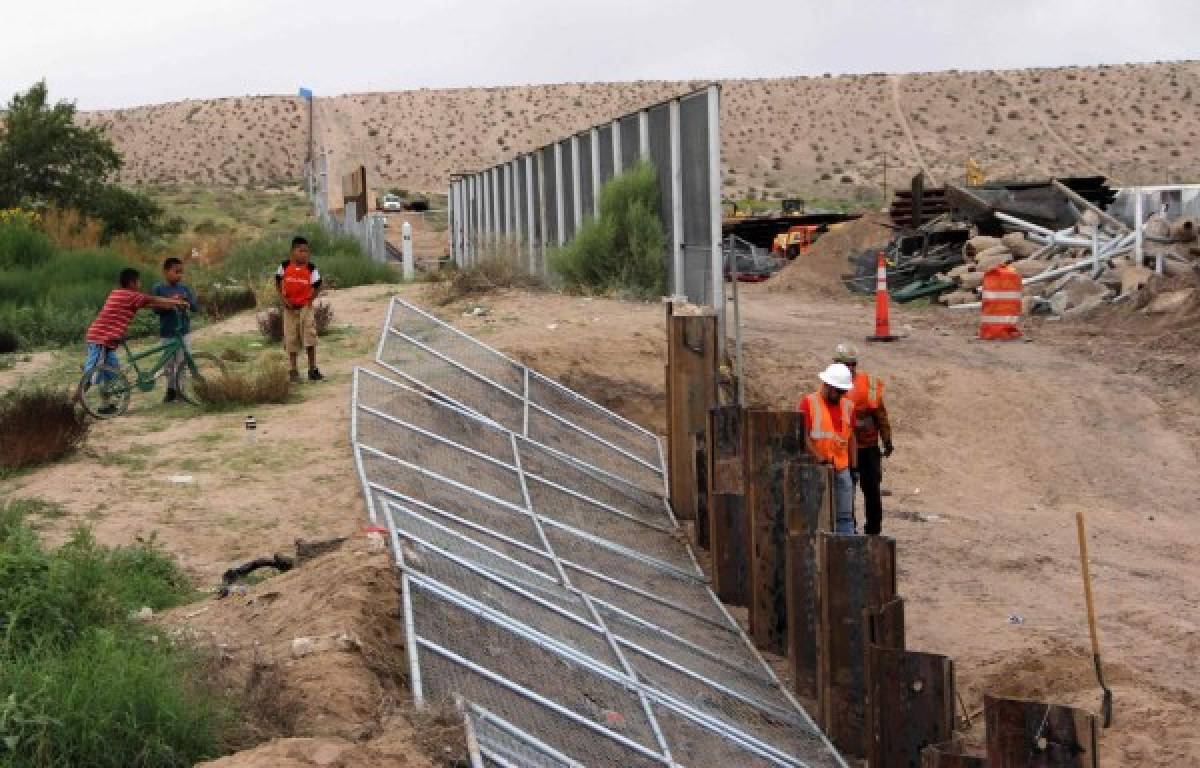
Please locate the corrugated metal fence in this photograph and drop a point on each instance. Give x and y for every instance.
(540, 199)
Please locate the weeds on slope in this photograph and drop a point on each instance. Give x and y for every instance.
(39, 425)
(83, 682)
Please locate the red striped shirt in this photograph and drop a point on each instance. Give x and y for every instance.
(116, 315)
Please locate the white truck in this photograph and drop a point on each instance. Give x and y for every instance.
(391, 203)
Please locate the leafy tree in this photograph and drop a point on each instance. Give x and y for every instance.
(47, 158)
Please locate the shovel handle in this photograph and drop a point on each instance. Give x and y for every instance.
(1087, 582)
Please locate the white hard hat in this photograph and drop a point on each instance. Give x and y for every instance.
(838, 376)
(845, 353)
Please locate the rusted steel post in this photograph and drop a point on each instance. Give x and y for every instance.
(910, 704)
(808, 505)
(773, 438)
(691, 390)
(727, 529)
(1034, 734)
(857, 573)
(951, 754)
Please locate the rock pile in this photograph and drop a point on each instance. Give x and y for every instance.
(1068, 280)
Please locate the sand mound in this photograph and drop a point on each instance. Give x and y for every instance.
(333, 698)
(822, 269)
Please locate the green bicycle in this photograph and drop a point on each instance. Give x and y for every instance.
(104, 391)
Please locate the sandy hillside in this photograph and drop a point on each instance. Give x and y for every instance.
(998, 445)
(825, 136)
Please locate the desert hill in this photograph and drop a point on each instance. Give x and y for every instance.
(823, 136)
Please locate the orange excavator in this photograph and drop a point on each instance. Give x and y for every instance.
(795, 242)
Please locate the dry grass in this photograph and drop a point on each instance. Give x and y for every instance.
(270, 321)
(38, 426)
(495, 270)
(71, 229)
(266, 384)
(221, 301)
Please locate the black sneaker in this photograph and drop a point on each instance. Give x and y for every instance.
(314, 375)
(294, 376)
(171, 396)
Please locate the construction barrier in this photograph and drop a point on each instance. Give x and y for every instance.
(1001, 314)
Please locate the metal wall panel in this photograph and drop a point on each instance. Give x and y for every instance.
(660, 156)
(567, 156)
(606, 155)
(586, 193)
(629, 141)
(549, 196)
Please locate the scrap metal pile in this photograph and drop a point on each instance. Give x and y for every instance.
(1071, 252)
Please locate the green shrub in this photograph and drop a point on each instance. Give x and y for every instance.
(623, 249)
(23, 245)
(221, 300)
(81, 682)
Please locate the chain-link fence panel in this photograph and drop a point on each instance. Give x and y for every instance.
(544, 585)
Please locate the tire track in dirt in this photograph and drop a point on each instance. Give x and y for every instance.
(908, 131)
(1084, 161)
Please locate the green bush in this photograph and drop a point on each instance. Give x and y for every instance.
(622, 250)
(83, 683)
(22, 245)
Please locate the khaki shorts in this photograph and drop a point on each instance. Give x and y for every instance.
(299, 329)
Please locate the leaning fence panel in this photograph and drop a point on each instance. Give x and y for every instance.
(548, 585)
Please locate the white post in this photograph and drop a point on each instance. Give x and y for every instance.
(714, 216)
(406, 251)
(514, 194)
(595, 137)
(616, 147)
(644, 135)
(529, 220)
(677, 284)
(558, 193)
(576, 192)
(486, 202)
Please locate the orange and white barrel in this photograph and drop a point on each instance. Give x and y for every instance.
(1001, 316)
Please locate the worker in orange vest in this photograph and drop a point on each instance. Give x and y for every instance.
(871, 425)
(829, 436)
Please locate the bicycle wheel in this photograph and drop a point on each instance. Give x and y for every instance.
(104, 392)
(191, 382)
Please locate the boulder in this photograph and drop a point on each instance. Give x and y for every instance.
(1132, 278)
(993, 257)
(1078, 288)
(1087, 305)
(1020, 247)
(1184, 229)
(1171, 301)
(1111, 279)
(1156, 226)
(958, 297)
(1029, 267)
(980, 243)
(969, 281)
(1060, 303)
(959, 271)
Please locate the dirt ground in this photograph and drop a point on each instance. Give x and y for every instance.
(998, 445)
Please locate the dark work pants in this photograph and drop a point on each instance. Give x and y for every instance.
(870, 477)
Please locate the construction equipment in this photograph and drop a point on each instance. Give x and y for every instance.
(1106, 703)
(799, 239)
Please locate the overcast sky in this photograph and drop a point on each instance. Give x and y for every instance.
(112, 53)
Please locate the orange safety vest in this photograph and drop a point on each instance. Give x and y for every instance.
(1001, 304)
(829, 445)
(866, 396)
(297, 284)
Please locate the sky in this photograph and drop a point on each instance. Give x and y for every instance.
(118, 53)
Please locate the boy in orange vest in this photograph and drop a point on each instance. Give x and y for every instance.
(829, 436)
(298, 283)
(871, 425)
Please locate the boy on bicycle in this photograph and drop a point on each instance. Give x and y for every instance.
(172, 322)
(105, 333)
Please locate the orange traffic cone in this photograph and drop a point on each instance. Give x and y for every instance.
(883, 327)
